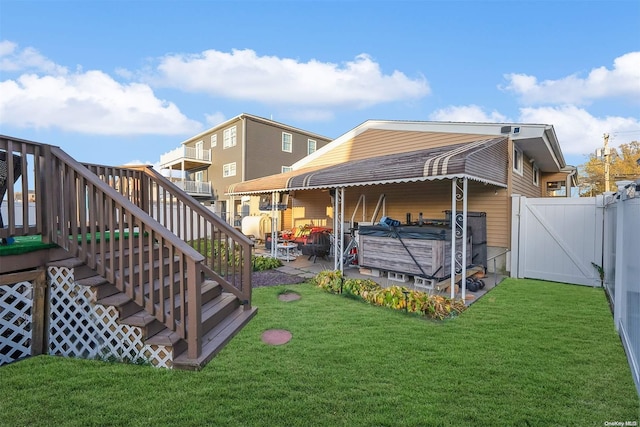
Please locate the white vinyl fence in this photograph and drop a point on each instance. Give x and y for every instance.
(576, 240)
(557, 239)
(621, 264)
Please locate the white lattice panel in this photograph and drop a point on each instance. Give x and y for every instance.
(16, 302)
(79, 327)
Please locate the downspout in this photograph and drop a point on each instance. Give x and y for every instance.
(569, 181)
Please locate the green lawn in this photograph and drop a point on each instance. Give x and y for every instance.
(528, 353)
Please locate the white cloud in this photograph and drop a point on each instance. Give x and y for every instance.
(622, 81)
(242, 74)
(467, 113)
(580, 133)
(14, 60)
(215, 119)
(89, 102)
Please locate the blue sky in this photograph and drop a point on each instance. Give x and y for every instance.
(116, 82)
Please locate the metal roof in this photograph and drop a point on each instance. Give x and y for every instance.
(482, 160)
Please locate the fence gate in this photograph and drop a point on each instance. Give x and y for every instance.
(557, 239)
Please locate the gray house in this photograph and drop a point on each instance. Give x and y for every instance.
(244, 147)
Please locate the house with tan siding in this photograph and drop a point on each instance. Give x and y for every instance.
(410, 169)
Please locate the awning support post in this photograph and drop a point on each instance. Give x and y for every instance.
(274, 225)
(459, 189)
(338, 225)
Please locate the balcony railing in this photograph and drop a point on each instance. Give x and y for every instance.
(187, 154)
(194, 188)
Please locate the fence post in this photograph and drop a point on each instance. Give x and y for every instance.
(516, 204)
(620, 270)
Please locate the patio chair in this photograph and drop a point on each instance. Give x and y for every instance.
(4, 175)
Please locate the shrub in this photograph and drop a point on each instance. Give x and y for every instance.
(330, 281)
(261, 263)
(395, 297)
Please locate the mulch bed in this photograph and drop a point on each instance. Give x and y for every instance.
(274, 278)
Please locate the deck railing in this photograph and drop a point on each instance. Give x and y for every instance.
(227, 251)
(188, 153)
(91, 220)
(195, 188)
(20, 158)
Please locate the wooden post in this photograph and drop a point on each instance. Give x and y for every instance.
(39, 315)
(194, 309)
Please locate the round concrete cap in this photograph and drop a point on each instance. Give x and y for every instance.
(289, 296)
(276, 336)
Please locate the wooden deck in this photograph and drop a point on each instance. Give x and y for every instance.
(147, 275)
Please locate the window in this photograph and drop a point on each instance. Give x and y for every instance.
(229, 169)
(536, 175)
(311, 146)
(556, 189)
(214, 141)
(198, 176)
(199, 149)
(229, 138)
(287, 142)
(517, 160)
(286, 169)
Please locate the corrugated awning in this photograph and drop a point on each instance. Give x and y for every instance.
(483, 160)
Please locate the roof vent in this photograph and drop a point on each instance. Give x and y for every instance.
(505, 129)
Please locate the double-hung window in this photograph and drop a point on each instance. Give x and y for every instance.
(287, 142)
(229, 137)
(517, 161)
(229, 169)
(311, 146)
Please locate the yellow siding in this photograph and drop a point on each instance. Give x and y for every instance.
(431, 198)
(376, 142)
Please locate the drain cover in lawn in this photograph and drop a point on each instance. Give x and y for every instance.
(289, 296)
(276, 336)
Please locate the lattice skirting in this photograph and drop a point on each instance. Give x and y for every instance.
(79, 327)
(16, 304)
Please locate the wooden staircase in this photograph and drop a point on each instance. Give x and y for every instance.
(222, 315)
(189, 299)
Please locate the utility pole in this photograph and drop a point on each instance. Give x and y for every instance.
(607, 157)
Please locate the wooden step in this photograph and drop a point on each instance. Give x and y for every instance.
(147, 323)
(80, 269)
(100, 286)
(168, 338)
(136, 253)
(214, 340)
(151, 326)
(214, 311)
(145, 268)
(125, 305)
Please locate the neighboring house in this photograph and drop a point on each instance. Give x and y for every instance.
(410, 168)
(242, 148)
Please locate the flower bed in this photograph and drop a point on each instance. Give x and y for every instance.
(396, 297)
